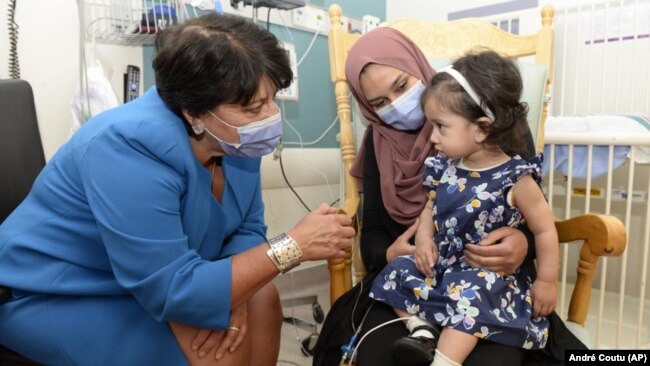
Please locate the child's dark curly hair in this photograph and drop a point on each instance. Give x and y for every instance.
(498, 83)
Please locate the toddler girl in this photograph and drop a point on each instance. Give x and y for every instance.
(474, 187)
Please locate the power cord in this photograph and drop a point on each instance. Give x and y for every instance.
(311, 44)
(354, 309)
(284, 24)
(317, 140)
(277, 154)
(290, 186)
(14, 65)
(301, 144)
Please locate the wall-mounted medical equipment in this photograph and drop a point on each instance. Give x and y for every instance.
(129, 22)
(273, 4)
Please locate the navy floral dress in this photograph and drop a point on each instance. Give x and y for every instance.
(467, 205)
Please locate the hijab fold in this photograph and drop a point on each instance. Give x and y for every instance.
(400, 154)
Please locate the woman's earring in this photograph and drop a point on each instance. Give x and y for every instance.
(198, 129)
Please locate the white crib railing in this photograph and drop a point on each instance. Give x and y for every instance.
(601, 67)
(625, 283)
(601, 57)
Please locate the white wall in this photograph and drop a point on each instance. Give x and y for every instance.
(438, 10)
(48, 50)
(313, 173)
(430, 10)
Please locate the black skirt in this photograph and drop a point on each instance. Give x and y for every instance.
(349, 310)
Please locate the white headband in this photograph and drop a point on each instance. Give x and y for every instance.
(468, 88)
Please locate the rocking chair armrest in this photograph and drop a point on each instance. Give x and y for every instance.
(601, 235)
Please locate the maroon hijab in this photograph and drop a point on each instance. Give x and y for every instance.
(400, 154)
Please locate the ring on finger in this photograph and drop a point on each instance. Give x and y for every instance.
(236, 329)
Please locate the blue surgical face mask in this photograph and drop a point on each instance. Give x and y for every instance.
(255, 139)
(405, 113)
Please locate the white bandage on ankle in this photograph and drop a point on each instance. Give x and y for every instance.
(441, 360)
(414, 322)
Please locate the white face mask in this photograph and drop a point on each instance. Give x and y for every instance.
(256, 138)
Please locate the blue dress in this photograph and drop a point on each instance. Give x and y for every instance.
(121, 234)
(467, 205)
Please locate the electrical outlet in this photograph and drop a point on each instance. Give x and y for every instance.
(355, 25)
(370, 22)
(345, 24)
(311, 18)
(299, 17)
(320, 20)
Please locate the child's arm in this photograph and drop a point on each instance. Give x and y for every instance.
(529, 199)
(426, 253)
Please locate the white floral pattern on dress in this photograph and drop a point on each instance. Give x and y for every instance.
(468, 205)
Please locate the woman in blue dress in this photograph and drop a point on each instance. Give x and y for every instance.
(142, 241)
(474, 188)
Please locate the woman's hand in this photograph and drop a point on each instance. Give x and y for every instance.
(544, 297)
(323, 234)
(401, 245)
(426, 255)
(502, 251)
(236, 330)
(229, 339)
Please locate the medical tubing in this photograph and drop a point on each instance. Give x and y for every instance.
(286, 180)
(348, 349)
(354, 353)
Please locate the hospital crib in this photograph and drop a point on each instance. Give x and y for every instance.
(598, 145)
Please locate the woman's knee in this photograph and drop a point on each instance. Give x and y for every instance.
(265, 307)
(264, 324)
(265, 320)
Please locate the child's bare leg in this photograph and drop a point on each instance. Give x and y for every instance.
(453, 346)
(402, 314)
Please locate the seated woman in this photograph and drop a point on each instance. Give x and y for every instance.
(386, 72)
(142, 241)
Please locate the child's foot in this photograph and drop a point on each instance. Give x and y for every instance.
(419, 347)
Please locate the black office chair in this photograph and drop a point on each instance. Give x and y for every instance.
(21, 150)
(21, 159)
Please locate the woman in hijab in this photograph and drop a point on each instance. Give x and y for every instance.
(386, 72)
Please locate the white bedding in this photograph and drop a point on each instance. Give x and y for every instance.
(624, 124)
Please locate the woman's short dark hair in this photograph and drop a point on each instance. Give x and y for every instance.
(497, 81)
(216, 59)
